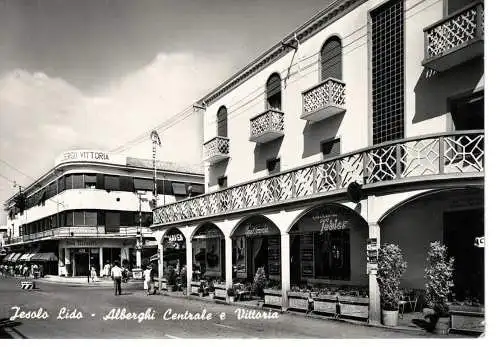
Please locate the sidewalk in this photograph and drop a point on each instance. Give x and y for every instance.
(83, 281)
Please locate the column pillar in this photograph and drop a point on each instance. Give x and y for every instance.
(189, 264)
(160, 260)
(285, 269)
(60, 263)
(374, 314)
(229, 261)
(101, 261)
(67, 261)
(138, 261)
(124, 255)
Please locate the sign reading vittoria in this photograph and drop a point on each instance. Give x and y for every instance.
(89, 155)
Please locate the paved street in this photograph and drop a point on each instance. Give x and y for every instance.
(95, 303)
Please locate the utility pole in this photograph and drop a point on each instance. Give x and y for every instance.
(155, 139)
(138, 247)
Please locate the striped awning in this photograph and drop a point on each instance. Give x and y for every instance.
(15, 257)
(23, 257)
(44, 257)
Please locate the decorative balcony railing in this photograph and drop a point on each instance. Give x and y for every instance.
(216, 149)
(267, 126)
(323, 100)
(457, 154)
(456, 38)
(78, 232)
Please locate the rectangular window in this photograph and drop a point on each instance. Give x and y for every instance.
(388, 72)
(273, 165)
(164, 187)
(222, 181)
(78, 218)
(179, 188)
(126, 184)
(90, 181)
(112, 221)
(127, 218)
(143, 184)
(111, 183)
(78, 181)
(68, 219)
(197, 189)
(90, 218)
(51, 190)
(61, 182)
(68, 181)
(53, 221)
(330, 148)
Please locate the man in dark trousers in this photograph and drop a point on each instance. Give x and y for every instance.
(116, 275)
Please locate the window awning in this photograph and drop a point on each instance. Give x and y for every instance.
(15, 257)
(44, 257)
(179, 188)
(23, 257)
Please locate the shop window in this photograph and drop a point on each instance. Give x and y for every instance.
(78, 182)
(273, 92)
(111, 183)
(90, 181)
(330, 148)
(208, 254)
(273, 165)
(222, 122)
(332, 255)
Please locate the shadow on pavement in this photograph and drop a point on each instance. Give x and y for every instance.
(6, 326)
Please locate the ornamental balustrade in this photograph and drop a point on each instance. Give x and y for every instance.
(457, 154)
(270, 121)
(218, 146)
(454, 31)
(329, 92)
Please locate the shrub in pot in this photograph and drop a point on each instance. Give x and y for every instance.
(171, 278)
(438, 275)
(211, 290)
(230, 294)
(391, 266)
(259, 282)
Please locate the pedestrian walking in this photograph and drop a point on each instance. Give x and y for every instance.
(107, 269)
(116, 275)
(147, 279)
(93, 274)
(310, 303)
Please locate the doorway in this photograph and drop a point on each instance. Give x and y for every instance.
(82, 262)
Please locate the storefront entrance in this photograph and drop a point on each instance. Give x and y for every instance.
(256, 243)
(81, 261)
(174, 250)
(209, 253)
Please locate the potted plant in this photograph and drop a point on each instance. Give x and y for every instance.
(391, 267)
(211, 289)
(259, 282)
(170, 277)
(231, 294)
(183, 276)
(438, 275)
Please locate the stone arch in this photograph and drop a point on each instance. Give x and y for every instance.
(250, 217)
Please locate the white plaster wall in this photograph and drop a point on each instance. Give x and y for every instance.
(425, 100)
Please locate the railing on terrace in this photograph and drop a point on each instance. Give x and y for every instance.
(267, 125)
(68, 232)
(455, 31)
(425, 157)
(216, 149)
(324, 99)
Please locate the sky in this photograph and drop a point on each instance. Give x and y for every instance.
(98, 73)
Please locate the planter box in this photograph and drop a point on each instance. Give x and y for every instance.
(354, 306)
(220, 291)
(194, 287)
(163, 284)
(326, 304)
(467, 318)
(272, 297)
(297, 300)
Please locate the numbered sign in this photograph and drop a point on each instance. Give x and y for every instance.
(479, 242)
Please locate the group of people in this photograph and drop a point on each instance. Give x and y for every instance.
(26, 270)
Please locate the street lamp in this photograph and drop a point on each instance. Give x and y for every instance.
(139, 242)
(155, 139)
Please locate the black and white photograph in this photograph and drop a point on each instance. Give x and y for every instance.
(231, 169)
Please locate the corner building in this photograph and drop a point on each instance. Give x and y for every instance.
(90, 209)
(364, 126)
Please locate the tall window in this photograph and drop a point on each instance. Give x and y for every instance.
(273, 92)
(331, 59)
(222, 122)
(388, 72)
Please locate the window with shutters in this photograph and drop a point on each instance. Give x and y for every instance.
(222, 122)
(78, 182)
(111, 183)
(331, 59)
(90, 181)
(273, 92)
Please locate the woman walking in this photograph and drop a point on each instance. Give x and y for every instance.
(147, 279)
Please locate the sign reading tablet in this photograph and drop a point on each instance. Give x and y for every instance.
(90, 156)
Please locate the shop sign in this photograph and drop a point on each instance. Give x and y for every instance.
(255, 229)
(89, 155)
(80, 243)
(330, 222)
(175, 238)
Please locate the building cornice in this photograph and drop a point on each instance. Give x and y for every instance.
(322, 19)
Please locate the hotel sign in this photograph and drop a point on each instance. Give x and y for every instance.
(90, 156)
(330, 222)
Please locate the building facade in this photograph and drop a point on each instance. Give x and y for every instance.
(93, 208)
(364, 126)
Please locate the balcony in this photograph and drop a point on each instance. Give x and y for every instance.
(215, 150)
(267, 126)
(455, 39)
(324, 100)
(436, 157)
(78, 232)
